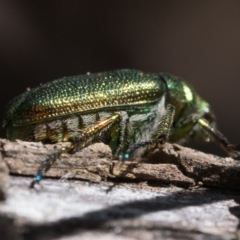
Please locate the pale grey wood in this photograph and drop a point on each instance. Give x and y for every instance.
(83, 210)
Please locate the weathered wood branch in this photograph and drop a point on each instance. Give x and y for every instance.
(170, 164)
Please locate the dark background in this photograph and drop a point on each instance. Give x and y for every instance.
(198, 40)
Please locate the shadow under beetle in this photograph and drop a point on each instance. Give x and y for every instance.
(129, 110)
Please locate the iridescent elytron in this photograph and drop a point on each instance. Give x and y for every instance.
(129, 110)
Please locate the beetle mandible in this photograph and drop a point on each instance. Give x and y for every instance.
(129, 110)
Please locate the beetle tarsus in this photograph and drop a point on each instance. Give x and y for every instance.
(234, 151)
(34, 181)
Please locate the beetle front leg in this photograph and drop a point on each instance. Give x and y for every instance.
(232, 150)
(87, 137)
(187, 125)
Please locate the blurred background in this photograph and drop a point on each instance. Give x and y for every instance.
(197, 40)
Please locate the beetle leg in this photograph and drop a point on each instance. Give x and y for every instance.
(232, 150)
(47, 163)
(160, 135)
(186, 125)
(123, 125)
(86, 137)
(91, 134)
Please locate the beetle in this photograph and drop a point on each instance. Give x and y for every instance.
(129, 110)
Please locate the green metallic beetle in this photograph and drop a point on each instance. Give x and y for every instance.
(129, 110)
